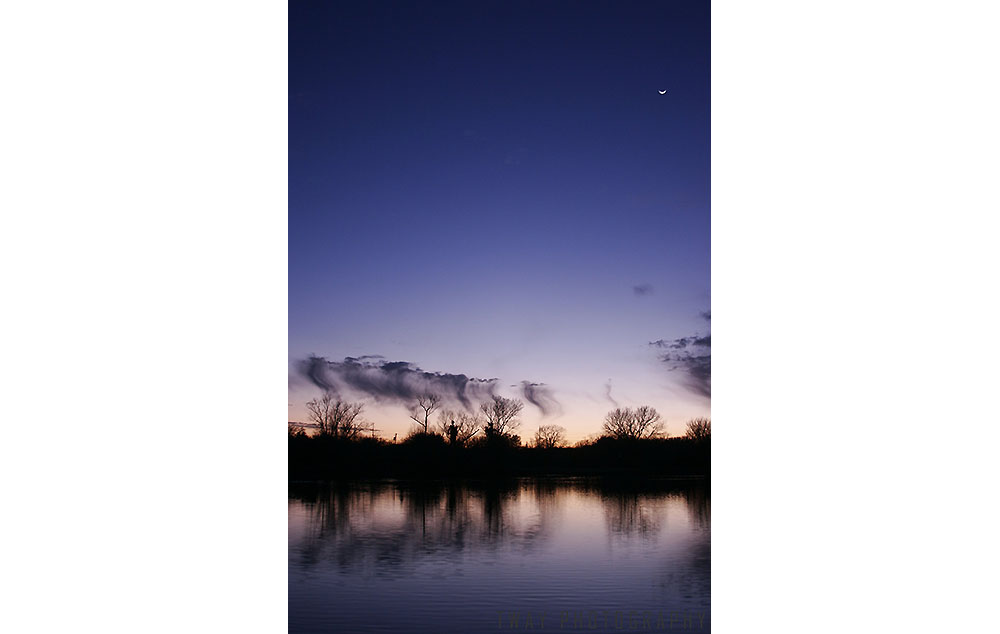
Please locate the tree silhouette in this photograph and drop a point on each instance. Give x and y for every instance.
(467, 425)
(426, 403)
(501, 416)
(550, 436)
(628, 423)
(334, 417)
(699, 429)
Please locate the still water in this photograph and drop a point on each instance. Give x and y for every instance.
(548, 555)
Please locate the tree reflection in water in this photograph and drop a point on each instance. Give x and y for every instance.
(385, 528)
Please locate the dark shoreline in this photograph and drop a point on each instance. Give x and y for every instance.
(325, 459)
(318, 490)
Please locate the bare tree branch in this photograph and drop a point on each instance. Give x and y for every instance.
(550, 436)
(641, 422)
(426, 403)
(466, 425)
(501, 415)
(699, 429)
(334, 417)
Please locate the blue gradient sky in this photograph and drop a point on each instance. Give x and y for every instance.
(478, 188)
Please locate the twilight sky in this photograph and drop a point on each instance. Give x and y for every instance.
(498, 190)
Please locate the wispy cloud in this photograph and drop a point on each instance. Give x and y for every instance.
(607, 393)
(684, 342)
(401, 382)
(398, 382)
(540, 395)
(693, 357)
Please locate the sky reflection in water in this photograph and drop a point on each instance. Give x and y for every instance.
(559, 555)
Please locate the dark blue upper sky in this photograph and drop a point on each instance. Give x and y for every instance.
(478, 188)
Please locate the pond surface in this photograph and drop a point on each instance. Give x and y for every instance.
(558, 555)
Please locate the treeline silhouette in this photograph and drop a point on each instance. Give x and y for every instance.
(485, 445)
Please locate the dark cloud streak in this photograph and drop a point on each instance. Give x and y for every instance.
(692, 356)
(398, 382)
(540, 395)
(401, 382)
(683, 343)
(607, 393)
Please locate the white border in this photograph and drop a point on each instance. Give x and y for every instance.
(854, 318)
(144, 250)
